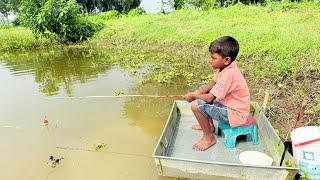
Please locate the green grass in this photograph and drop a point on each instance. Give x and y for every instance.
(279, 38)
(19, 38)
(12, 38)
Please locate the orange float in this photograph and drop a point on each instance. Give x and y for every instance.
(45, 121)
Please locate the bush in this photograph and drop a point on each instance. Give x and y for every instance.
(102, 17)
(210, 4)
(136, 12)
(57, 19)
(108, 15)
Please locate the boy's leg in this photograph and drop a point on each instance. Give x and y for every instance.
(207, 139)
(198, 127)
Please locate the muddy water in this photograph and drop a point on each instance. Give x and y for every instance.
(130, 127)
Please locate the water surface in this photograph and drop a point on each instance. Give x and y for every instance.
(130, 127)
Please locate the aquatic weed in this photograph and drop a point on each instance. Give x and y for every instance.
(119, 93)
(98, 146)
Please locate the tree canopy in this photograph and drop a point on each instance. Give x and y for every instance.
(6, 6)
(56, 19)
(123, 6)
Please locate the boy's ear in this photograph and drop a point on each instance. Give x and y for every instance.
(227, 61)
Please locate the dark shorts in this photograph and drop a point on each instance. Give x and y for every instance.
(215, 111)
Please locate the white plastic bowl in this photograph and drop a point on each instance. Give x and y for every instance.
(255, 158)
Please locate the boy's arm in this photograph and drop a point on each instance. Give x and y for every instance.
(208, 97)
(202, 93)
(207, 88)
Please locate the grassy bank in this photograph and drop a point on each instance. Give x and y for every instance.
(276, 37)
(19, 38)
(280, 48)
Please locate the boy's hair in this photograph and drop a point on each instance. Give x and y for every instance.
(225, 46)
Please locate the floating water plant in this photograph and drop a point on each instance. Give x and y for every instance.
(98, 146)
(133, 72)
(53, 162)
(118, 93)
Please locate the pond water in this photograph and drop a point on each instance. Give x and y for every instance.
(130, 127)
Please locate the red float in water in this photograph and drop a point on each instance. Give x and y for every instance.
(45, 121)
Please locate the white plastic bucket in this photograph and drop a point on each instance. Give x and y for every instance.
(306, 150)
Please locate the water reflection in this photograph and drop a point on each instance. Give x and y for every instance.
(55, 70)
(80, 122)
(146, 113)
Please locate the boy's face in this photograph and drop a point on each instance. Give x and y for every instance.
(219, 62)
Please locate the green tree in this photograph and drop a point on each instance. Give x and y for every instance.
(57, 19)
(108, 5)
(126, 5)
(89, 5)
(178, 4)
(4, 8)
(123, 6)
(14, 5)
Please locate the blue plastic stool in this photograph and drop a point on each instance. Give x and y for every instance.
(231, 134)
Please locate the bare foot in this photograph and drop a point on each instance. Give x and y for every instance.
(198, 127)
(204, 143)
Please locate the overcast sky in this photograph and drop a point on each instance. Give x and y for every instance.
(153, 6)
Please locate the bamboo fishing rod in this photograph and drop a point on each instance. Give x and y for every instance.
(121, 96)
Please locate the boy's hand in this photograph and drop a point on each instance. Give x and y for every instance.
(189, 97)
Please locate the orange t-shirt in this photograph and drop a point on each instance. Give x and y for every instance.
(231, 90)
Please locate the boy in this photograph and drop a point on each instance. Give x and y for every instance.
(225, 99)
